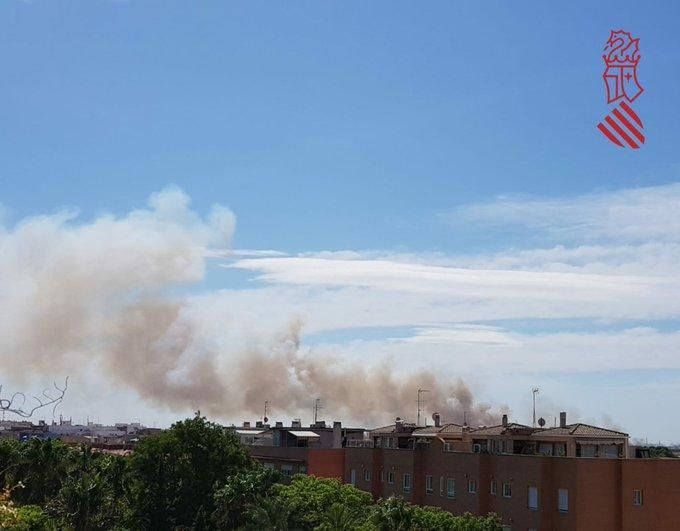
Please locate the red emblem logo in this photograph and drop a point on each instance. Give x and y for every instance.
(622, 126)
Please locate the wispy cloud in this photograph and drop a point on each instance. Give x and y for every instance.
(632, 215)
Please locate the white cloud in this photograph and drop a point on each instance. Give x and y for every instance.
(631, 215)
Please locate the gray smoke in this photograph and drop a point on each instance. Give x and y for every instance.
(112, 293)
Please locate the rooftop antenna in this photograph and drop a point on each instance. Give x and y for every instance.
(534, 392)
(266, 408)
(464, 418)
(317, 407)
(420, 391)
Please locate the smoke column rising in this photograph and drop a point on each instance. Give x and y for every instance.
(104, 293)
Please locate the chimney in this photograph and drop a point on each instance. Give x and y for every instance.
(297, 423)
(398, 425)
(437, 420)
(279, 424)
(563, 419)
(246, 424)
(258, 424)
(337, 434)
(505, 421)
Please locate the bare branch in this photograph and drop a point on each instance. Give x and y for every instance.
(48, 398)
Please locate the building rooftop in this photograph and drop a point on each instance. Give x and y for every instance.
(580, 430)
(448, 428)
(500, 429)
(402, 428)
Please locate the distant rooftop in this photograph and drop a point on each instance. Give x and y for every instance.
(500, 429)
(581, 430)
(448, 428)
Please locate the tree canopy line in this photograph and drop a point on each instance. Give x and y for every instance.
(194, 476)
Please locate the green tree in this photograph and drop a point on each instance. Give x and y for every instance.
(175, 473)
(41, 467)
(340, 518)
(393, 514)
(310, 498)
(239, 492)
(273, 514)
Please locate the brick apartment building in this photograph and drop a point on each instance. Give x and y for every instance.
(570, 477)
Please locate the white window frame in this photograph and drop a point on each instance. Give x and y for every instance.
(563, 500)
(429, 484)
(287, 471)
(472, 486)
(638, 498)
(451, 488)
(442, 486)
(353, 477)
(367, 474)
(533, 507)
(507, 490)
(390, 477)
(382, 476)
(493, 488)
(406, 482)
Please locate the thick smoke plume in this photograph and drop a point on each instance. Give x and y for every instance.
(111, 294)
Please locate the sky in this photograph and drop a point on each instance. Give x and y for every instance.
(422, 183)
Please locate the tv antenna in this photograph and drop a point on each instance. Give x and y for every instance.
(317, 407)
(420, 391)
(265, 419)
(534, 392)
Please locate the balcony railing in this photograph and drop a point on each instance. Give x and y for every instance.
(359, 443)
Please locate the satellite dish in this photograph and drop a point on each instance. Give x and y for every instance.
(541, 422)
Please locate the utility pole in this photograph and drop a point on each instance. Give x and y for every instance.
(534, 392)
(419, 393)
(317, 407)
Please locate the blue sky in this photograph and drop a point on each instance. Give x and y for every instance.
(451, 134)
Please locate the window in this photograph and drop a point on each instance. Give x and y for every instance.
(448, 447)
(441, 485)
(637, 497)
(428, 485)
(450, 488)
(563, 500)
(407, 482)
(390, 478)
(382, 476)
(494, 487)
(367, 474)
(353, 477)
(287, 470)
(472, 486)
(302, 469)
(269, 466)
(507, 490)
(533, 498)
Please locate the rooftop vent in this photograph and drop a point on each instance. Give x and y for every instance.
(563, 419)
(246, 424)
(297, 423)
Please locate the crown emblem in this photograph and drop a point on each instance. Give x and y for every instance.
(621, 49)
